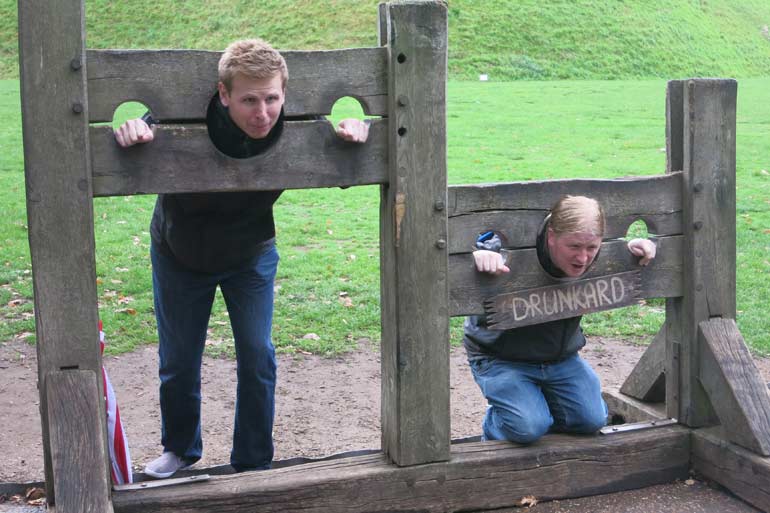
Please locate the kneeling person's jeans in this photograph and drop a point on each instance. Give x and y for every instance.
(526, 400)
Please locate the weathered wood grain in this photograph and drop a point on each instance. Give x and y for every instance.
(744, 473)
(516, 210)
(413, 234)
(59, 205)
(674, 126)
(80, 468)
(479, 475)
(183, 159)
(468, 289)
(631, 409)
(178, 84)
(647, 380)
(736, 389)
(709, 223)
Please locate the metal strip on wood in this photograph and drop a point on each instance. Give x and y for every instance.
(177, 85)
(413, 234)
(183, 159)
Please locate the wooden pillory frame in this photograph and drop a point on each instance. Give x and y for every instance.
(698, 363)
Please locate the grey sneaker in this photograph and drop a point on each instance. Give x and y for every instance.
(165, 466)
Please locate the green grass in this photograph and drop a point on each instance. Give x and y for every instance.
(522, 39)
(328, 280)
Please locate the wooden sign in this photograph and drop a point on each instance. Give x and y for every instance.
(568, 299)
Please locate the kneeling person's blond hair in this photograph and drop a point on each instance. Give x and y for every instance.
(576, 214)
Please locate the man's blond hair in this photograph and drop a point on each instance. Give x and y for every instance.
(577, 214)
(253, 58)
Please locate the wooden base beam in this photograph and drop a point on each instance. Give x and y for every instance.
(744, 473)
(479, 475)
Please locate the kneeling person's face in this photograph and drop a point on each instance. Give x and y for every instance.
(573, 253)
(254, 103)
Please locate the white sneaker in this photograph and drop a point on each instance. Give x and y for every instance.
(165, 466)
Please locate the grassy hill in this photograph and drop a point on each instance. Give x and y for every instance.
(507, 39)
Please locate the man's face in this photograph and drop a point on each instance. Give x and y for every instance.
(573, 252)
(254, 103)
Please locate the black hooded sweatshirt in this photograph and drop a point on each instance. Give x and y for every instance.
(213, 232)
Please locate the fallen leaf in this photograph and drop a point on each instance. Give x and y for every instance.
(34, 493)
(15, 302)
(122, 269)
(129, 311)
(527, 501)
(311, 336)
(124, 300)
(116, 282)
(689, 482)
(346, 302)
(343, 294)
(351, 257)
(764, 172)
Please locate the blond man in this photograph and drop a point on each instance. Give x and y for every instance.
(204, 240)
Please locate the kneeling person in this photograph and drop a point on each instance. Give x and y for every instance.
(532, 376)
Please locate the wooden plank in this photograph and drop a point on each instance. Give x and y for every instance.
(744, 473)
(178, 84)
(674, 125)
(413, 257)
(631, 409)
(736, 389)
(647, 380)
(183, 159)
(468, 289)
(709, 222)
(517, 209)
(563, 300)
(80, 469)
(480, 475)
(58, 189)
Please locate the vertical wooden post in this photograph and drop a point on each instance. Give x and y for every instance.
(708, 165)
(60, 220)
(413, 232)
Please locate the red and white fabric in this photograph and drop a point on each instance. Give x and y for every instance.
(120, 458)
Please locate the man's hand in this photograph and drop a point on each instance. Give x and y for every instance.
(353, 130)
(134, 131)
(490, 262)
(643, 248)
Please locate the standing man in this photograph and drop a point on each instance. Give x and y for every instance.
(204, 240)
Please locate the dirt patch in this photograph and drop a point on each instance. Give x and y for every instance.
(323, 405)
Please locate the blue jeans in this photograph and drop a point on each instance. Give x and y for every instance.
(527, 400)
(183, 301)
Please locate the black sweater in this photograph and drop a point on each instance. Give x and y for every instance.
(551, 341)
(215, 232)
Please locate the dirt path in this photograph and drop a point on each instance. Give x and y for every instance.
(323, 405)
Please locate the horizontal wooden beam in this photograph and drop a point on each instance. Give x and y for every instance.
(744, 473)
(631, 409)
(479, 475)
(183, 159)
(516, 210)
(468, 289)
(178, 84)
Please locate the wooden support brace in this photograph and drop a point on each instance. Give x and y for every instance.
(734, 385)
(79, 467)
(647, 381)
(744, 473)
(479, 476)
(413, 234)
